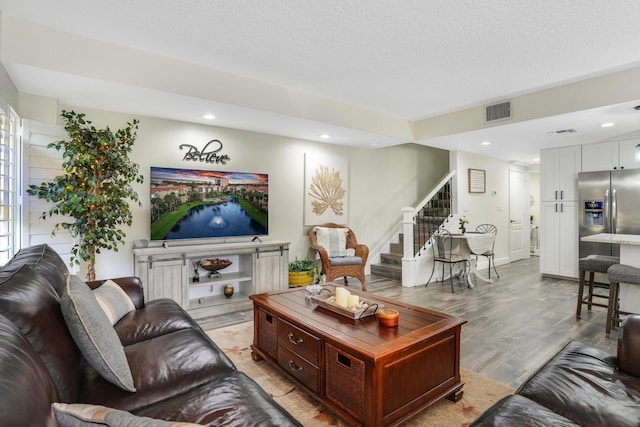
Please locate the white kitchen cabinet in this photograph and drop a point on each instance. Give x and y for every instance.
(627, 152)
(559, 238)
(173, 272)
(610, 155)
(602, 156)
(559, 169)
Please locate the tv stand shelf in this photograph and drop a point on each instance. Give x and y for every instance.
(240, 276)
(170, 271)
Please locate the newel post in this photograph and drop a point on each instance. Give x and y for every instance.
(408, 257)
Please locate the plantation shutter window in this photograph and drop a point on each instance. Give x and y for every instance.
(9, 214)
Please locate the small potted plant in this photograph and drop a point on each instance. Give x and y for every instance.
(303, 272)
(463, 222)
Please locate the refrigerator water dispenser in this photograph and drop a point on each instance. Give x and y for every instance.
(593, 213)
(593, 218)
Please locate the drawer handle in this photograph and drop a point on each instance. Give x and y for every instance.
(296, 342)
(293, 367)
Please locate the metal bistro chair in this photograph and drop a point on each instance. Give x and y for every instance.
(490, 229)
(442, 245)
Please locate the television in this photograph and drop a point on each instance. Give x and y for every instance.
(194, 204)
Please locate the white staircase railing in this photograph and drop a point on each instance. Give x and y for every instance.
(417, 225)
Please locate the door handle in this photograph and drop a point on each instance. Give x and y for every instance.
(614, 211)
(607, 212)
(561, 207)
(556, 208)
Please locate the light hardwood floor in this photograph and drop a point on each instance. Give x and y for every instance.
(514, 324)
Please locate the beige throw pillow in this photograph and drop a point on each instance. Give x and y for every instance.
(113, 300)
(334, 240)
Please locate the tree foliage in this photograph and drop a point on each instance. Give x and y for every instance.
(96, 188)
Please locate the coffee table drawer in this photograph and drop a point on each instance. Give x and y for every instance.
(299, 341)
(268, 333)
(302, 370)
(345, 381)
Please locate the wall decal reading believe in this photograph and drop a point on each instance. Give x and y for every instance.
(211, 156)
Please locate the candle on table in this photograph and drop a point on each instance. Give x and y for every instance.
(342, 296)
(352, 300)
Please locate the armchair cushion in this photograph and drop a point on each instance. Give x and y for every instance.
(345, 260)
(94, 334)
(334, 240)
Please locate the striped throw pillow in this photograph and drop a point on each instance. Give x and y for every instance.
(113, 300)
(334, 240)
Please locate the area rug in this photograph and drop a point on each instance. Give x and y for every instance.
(479, 392)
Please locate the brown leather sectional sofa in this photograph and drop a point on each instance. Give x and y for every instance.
(580, 386)
(178, 372)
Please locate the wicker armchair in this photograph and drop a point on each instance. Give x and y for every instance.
(342, 266)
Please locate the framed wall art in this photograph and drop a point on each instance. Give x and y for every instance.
(477, 181)
(326, 194)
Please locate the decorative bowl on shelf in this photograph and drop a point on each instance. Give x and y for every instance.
(215, 264)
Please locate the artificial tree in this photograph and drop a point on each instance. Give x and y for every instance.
(95, 189)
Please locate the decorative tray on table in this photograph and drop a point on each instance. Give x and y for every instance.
(365, 308)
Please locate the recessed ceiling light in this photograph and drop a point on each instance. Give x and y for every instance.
(325, 136)
(536, 160)
(486, 143)
(607, 125)
(209, 116)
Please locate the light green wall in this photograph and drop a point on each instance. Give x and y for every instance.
(381, 181)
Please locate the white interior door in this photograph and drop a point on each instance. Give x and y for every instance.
(518, 215)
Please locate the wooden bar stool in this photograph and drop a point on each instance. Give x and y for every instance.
(594, 264)
(619, 273)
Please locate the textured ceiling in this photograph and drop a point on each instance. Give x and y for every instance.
(406, 59)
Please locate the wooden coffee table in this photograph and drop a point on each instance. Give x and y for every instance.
(367, 374)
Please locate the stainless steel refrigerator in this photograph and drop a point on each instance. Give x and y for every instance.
(609, 202)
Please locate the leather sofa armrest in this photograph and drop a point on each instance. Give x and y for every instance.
(629, 346)
(131, 285)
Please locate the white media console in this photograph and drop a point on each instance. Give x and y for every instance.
(172, 272)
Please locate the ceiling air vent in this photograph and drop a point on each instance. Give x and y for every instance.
(562, 132)
(499, 111)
